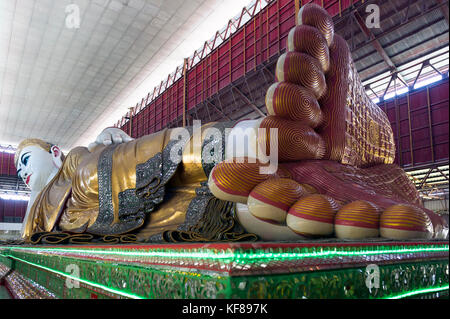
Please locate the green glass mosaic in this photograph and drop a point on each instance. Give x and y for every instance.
(105, 279)
(244, 256)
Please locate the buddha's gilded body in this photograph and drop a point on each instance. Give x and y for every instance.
(106, 185)
(331, 164)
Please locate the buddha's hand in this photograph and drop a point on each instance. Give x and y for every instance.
(110, 135)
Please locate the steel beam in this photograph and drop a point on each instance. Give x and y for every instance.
(424, 179)
(376, 44)
(400, 25)
(442, 173)
(250, 103)
(218, 111)
(444, 9)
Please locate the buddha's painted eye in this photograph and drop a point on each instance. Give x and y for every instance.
(25, 160)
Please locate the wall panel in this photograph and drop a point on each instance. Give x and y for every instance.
(12, 211)
(422, 125)
(7, 166)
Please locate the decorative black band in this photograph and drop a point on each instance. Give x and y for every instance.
(208, 219)
(53, 238)
(104, 224)
(134, 204)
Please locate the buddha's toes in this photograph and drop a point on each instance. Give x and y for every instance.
(318, 104)
(320, 198)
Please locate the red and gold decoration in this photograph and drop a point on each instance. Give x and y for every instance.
(301, 69)
(316, 46)
(318, 18)
(235, 180)
(271, 200)
(405, 222)
(313, 215)
(357, 220)
(296, 141)
(332, 137)
(295, 103)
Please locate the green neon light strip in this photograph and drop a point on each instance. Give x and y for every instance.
(243, 257)
(133, 296)
(418, 292)
(88, 282)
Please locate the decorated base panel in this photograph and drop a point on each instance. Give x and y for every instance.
(414, 269)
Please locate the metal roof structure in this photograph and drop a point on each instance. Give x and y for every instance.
(65, 67)
(432, 182)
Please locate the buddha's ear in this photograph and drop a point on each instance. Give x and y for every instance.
(56, 155)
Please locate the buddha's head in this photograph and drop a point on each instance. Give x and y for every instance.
(37, 162)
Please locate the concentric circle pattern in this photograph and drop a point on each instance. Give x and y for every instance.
(312, 215)
(278, 192)
(406, 218)
(307, 39)
(314, 15)
(359, 214)
(315, 207)
(295, 103)
(301, 69)
(332, 137)
(271, 200)
(295, 141)
(237, 178)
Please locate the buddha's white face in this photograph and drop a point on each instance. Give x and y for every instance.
(36, 166)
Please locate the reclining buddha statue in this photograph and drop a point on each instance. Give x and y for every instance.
(320, 165)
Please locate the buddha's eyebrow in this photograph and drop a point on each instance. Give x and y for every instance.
(21, 158)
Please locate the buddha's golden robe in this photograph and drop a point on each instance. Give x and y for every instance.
(71, 201)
